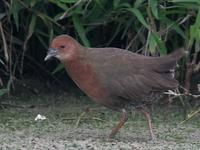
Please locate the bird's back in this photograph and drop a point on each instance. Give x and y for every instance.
(129, 77)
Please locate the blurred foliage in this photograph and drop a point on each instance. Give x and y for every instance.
(149, 27)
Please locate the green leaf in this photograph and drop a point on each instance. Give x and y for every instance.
(116, 3)
(14, 10)
(32, 24)
(47, 20)
(51, 34)
(152, 43)
(154, 8)
(172, 25)
(195, 30)
(179, 31)
(124, 6)
(192, 34)
(96, 14)
(100, 4)
(187, 6)
(138, 3)
(80, 30)
(139, 16)
(59, 4)
(160, 43)
(33, 3)
(197, 22)
(68, 1)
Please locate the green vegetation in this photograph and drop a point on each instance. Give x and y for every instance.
(27, 26)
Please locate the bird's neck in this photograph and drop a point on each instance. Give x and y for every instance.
(74, 62)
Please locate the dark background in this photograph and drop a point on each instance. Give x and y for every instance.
(155, 27)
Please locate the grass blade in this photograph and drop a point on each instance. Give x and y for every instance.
(139, 16)
(81, 31)
(154, 8)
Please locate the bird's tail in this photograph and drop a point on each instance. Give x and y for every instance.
(169, 62)
(176, 55)
(166, 67)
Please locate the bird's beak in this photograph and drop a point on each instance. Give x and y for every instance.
(52, 52)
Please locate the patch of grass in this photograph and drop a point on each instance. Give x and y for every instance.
(176, 136)
(73, 145)
(62, 113)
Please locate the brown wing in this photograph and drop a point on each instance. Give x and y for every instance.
(132, 76)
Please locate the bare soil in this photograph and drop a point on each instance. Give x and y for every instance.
(62, 131)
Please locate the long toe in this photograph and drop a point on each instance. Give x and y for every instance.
(153, 137)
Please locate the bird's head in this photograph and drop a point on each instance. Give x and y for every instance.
(63, 47)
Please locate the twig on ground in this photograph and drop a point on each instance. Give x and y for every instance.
(190, 115)
(170, 92)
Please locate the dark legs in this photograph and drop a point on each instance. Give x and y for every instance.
(148, 118)
(122, 121)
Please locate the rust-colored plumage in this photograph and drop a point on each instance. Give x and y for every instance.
(116, 78)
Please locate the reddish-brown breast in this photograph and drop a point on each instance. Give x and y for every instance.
(86, 79)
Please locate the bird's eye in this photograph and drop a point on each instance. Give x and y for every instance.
(62, 46)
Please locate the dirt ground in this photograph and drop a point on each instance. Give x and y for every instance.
(62, 131)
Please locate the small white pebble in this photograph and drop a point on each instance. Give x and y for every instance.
(40, 117)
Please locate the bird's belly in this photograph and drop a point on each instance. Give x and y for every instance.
(87, 80)
(91, 87)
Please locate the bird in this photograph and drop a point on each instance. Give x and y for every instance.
(117, 78)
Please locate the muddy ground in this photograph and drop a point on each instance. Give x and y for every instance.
(62, 131)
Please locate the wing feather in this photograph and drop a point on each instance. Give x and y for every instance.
(131, 76)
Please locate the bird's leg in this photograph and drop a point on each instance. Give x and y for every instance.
(122, 121)
(148, 118)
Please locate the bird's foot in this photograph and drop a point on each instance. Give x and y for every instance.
(153, 138)
(110, 138)
(152, 135)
